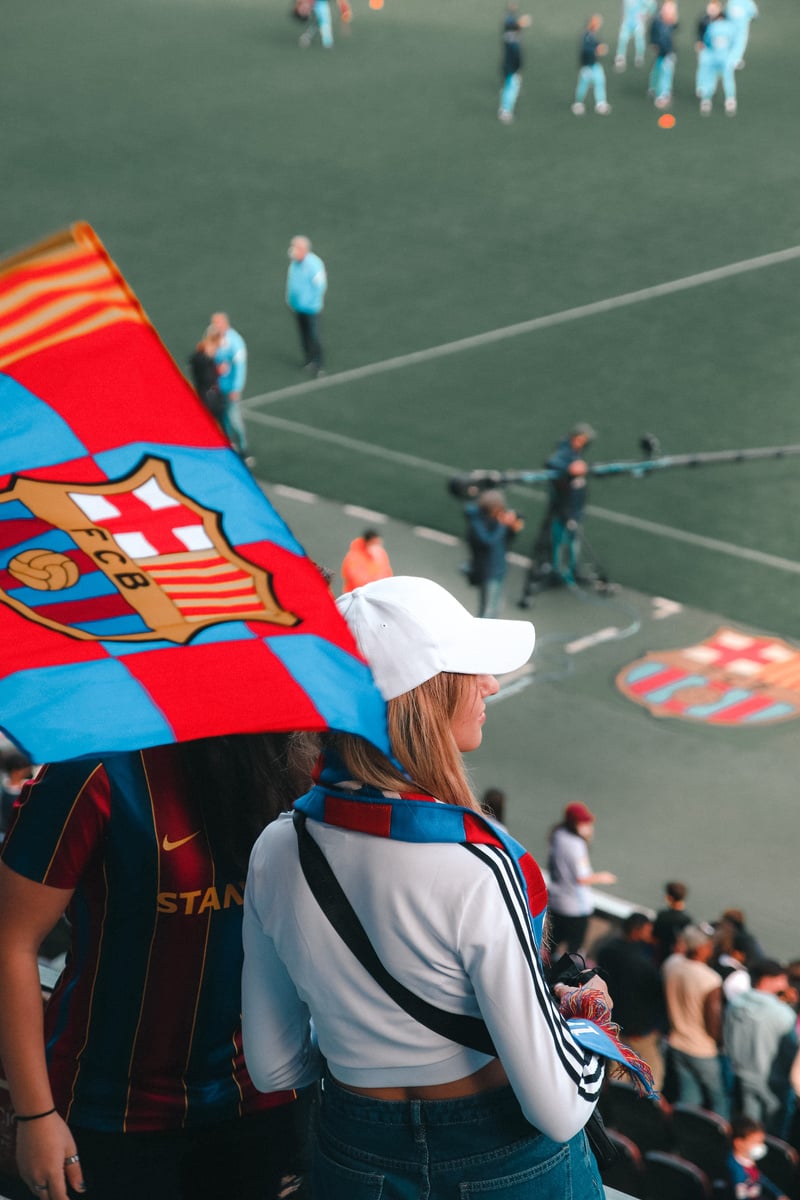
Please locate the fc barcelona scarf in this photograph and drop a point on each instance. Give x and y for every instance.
(418, 817)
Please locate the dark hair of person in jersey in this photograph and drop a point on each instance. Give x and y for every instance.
(244, 781)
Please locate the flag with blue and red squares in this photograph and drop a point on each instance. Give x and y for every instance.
(149, 593)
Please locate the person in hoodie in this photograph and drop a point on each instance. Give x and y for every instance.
(365, 561)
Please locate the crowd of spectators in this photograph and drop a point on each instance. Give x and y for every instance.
(716, 1018)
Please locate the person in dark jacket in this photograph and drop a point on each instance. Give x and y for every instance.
(205, 375)
(590, 71)
(664, 25)
(490, 528)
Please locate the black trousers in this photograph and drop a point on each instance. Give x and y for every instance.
(308, 324)
(242, 1159)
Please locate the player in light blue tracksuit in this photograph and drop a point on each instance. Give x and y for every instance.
(716, 61)
(740, 13)
(634, 19)
(590, 72)
(322, 22)
(511, 67)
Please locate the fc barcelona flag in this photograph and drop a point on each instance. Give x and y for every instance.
(149, 593)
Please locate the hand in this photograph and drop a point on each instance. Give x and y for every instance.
(42, 1149)
(577, 468)
(595, 984)
(605, 877)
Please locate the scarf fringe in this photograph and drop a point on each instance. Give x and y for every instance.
(588, 1004)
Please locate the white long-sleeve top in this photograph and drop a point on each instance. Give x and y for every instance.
(448, 921)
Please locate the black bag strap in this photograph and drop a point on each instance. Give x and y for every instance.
(464, 1030)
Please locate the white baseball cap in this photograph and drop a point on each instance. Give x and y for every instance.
(410, 629)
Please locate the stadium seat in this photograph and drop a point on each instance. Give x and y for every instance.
(669, 1177)
(702, 1137)
(626, 1173)
(781, 1165)
(645, 1122)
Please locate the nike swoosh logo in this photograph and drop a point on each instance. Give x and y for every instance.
(168, 845)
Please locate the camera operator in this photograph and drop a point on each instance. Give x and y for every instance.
(491, 528)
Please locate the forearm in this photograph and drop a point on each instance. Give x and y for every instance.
(22, 1048)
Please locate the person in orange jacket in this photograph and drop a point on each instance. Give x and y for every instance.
(365, 561)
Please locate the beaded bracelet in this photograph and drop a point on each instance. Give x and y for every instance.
(34, 1116)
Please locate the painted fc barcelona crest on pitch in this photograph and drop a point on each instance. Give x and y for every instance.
(132, 559)
(731, 678)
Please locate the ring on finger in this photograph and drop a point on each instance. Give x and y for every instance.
(73, 1158)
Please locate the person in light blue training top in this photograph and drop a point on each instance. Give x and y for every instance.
(634, 19)
(231, 360)
(590, 72)
(740, 13)
(513, 24)
(661, 32)
(322, 22)
(306, 285)
(715, 61)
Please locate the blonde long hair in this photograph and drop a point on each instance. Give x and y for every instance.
(422, 742)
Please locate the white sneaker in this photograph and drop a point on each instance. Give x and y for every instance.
(705, 107)
(578, 108)
(730, 107)
(306, 39)
(505, 117)
(602, 108)
(638, 62)
(740, 66)
(619, 64)
(663, 101)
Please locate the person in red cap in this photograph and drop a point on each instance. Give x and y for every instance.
(571, 876)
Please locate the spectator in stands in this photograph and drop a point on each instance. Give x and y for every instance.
(747, 1149)
(143, 1091)
(365, 561)
(670, 920)
(731, 958)
(761, 1042)
(694, 1005)
(571, 876)
(735, 919)
(15, 771)
(403, 1105)
(634, 981)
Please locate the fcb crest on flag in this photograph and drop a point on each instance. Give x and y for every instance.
(730, 679)
(129, 560)
(149, 592)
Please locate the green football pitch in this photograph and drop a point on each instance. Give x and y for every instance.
(197, 137)
(489, 287)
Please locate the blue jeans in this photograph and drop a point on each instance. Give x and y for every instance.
(700, 1081)
(491, 598)
(478, 1146)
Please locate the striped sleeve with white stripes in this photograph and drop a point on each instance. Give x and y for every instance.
(556, 1081)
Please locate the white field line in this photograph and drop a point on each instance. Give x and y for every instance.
(604, 514)
(523, 327)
